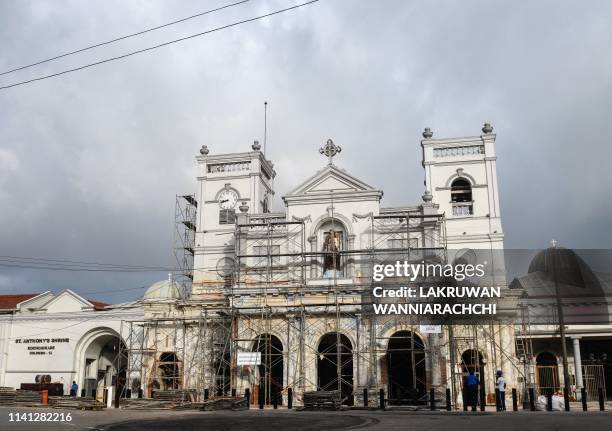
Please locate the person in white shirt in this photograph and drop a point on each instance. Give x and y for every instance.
(500, 385)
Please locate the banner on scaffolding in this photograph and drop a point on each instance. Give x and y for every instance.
(248, 358)
(430, 329)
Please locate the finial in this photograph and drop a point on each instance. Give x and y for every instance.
(256, 146)
(330, 150)
(204, 150)
(427, 133)
(487, 128)
(427, 196)
(243, 207)
(553, 243)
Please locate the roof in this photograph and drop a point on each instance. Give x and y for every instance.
(98, 305)
(332, 179)
(9, 302)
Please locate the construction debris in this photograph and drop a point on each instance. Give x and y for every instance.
(222, 403)
(7, 396)
(83, 403)
(176, 395)
(322, 400)
(27, 397)
(225, 403)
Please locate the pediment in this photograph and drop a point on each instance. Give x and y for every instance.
(329, 179)
(67, 301)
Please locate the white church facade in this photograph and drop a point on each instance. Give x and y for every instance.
(281, 302)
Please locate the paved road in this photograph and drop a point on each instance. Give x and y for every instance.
(278, 420)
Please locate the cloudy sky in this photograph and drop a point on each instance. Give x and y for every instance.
(90, 162)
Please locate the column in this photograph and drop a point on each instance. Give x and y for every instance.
(577, 365)
(314, 258)
(350, 260)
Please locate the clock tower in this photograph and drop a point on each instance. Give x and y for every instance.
(227, 183)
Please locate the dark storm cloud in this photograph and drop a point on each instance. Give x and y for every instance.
(90, 162)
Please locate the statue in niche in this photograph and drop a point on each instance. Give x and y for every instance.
(332, 244)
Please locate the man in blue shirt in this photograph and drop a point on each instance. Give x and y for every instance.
(471, 384)
(74, 389)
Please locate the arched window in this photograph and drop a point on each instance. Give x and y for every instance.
(461, 197)
(461, 191)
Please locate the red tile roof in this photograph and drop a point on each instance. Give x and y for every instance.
(98, 305)
(9, 302)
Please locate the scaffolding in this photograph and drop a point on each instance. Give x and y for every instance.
(185, 209)
(307, 307)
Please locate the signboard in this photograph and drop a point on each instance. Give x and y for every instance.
(248, 358)
(40, 346)
(47, 352)
(430, 329)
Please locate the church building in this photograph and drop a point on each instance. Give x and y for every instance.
(280, 302)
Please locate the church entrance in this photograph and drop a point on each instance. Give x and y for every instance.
(406, 369)
(270, 369)
(547, 373)
(105, 363)
(169, 368)
(335, 365)
(472, 361)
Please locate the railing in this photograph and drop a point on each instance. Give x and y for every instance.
(469, 150)
(463, 209)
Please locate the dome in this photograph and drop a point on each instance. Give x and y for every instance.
(163, 290)
(571, 269)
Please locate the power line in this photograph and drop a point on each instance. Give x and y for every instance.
(124, 37)
(234, 24)
(79, 266)
(16, 259)
(83, 269)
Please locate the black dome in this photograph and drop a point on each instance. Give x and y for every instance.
(571, 269)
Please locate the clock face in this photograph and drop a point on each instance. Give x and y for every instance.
(228, 199)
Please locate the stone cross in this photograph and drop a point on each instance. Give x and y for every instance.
(330, 150)
(553, 243)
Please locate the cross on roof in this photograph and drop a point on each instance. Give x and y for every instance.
(330, 150)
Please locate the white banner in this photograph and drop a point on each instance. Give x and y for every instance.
(430, 329)
(248, 358)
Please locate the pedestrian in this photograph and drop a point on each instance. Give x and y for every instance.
(74, 389)
(471, 383)
(501, 391)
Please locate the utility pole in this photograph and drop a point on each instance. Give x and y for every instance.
(566, 378)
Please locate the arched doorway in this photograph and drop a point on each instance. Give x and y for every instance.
(169, 371)
(547, 373)
(104, 363)
(406, 368)
(335, 365)
(271, 368)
